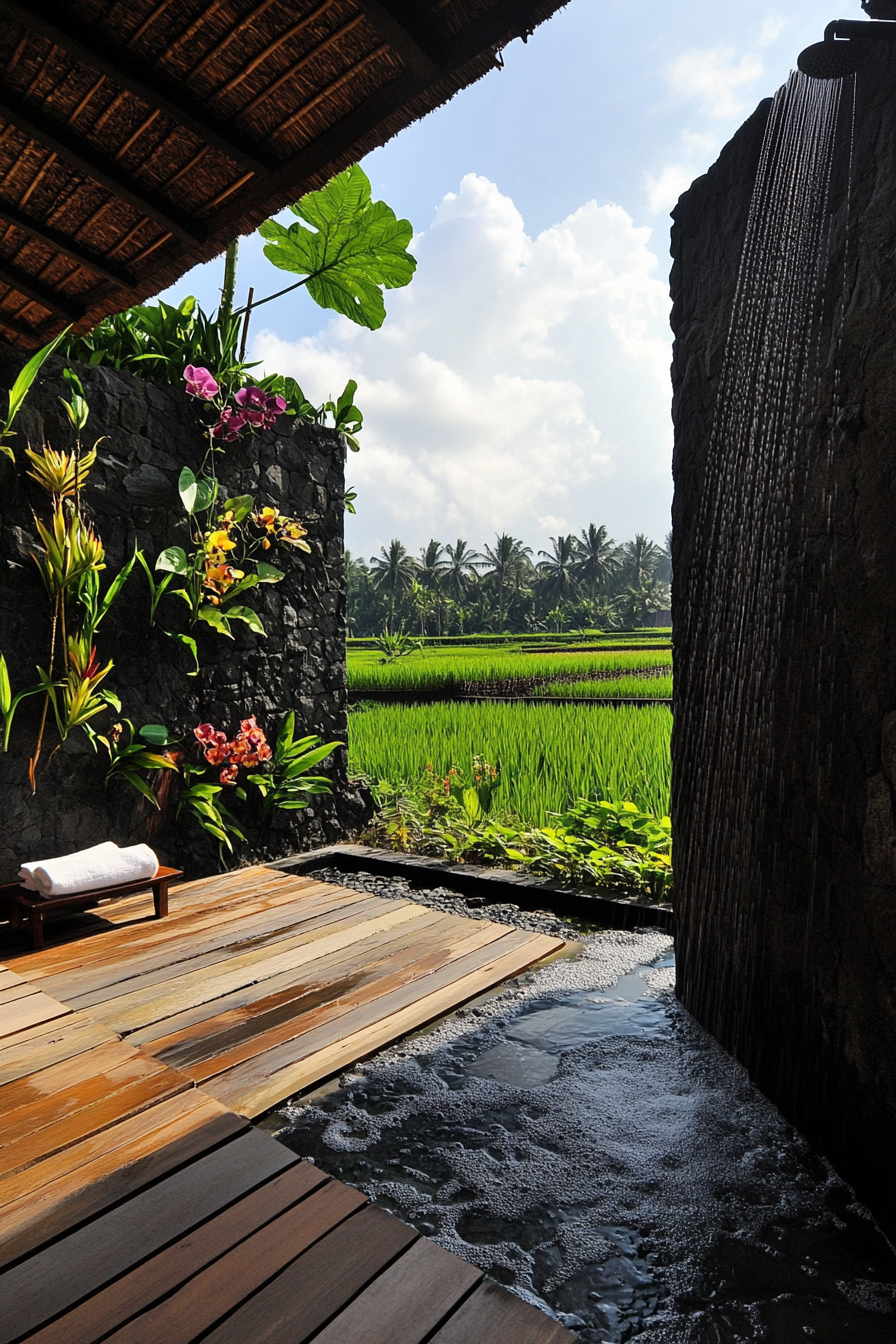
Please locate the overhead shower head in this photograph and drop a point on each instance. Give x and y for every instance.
(832, 60)
(845, 47)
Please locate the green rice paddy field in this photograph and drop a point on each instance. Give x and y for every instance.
(461, 670)
(549, 754)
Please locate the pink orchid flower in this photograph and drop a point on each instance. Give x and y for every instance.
(200, 382)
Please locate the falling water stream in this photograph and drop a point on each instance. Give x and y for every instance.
(757, 635)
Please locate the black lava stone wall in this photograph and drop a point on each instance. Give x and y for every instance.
(786, 890)
(147, 433)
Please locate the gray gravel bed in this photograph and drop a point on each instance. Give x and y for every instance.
(451, 902)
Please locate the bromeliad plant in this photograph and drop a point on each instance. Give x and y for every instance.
(69, 558)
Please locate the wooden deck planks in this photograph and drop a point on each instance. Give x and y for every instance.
(136, 1206)
(67, 1187)
(80, 1264)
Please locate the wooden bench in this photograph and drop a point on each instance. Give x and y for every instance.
(22, 903)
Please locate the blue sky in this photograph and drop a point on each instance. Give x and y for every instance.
(521, 382)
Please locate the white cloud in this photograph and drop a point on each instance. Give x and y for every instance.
(518, 382)
(713, 77)
(664, 189)
(772, 28)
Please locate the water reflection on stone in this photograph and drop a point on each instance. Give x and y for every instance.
(589, 1146)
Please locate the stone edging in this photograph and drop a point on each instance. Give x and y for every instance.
(495, 884)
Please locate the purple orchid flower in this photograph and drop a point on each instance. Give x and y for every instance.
(200, 383)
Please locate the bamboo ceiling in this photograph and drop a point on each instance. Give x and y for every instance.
(139, 137)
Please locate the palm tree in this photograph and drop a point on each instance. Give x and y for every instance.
(639, 560)
(393, 572)
(558, 570)
(461, 568)
(507, 563)
(597, 561)
(431, 566)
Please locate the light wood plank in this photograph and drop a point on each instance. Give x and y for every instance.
(427, 955)
(190, 1020)
(268, 1079)
(193, 955)
(12, 993)
(48, 1043)
(82, 1261)
(9, 978)
(141, 1007)
(32, 1011)
(201, 930)
(115, 943)
(197, 1029)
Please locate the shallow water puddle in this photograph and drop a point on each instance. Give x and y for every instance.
(584, 1142)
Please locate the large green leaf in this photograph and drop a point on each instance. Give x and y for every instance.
(354, 248)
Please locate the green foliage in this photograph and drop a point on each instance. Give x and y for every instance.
(285, 782)
(549, 754)
(131, 759)
(399, 645)
(9, 703)
(599, 843)
(20, 389)
(354, 248)
(202, 803)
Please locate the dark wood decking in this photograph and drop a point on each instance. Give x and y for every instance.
(136, 1205)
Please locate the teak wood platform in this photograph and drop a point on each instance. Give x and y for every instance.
(137, 1203)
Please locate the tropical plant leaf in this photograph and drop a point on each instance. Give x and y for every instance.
(216, 619)
(269, 573)
(248, 617)
(239, 506)
(188, 489)
(173, 559)
(354, 248)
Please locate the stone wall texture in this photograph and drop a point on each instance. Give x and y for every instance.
(149, 432)
(786, 882)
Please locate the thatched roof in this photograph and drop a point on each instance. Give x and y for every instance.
(139, 137)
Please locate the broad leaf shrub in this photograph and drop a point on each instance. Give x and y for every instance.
(598, 843)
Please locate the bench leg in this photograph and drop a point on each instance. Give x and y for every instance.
(160, 897)
(36, 923)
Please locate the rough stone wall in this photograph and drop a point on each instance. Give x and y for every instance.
(149, 433)
(794, 970)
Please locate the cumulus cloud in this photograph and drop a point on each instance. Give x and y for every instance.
(714, 78)
(518, 382)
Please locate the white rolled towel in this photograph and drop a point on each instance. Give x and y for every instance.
(86, 872)
(27, 870)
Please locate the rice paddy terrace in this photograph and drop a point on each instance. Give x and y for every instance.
(564, 717)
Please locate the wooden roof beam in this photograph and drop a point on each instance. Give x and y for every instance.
(30, 334)
(44, 233)
(74, 150)
(30, 288)
(501, 23)
(397, 27)
(156, 90)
